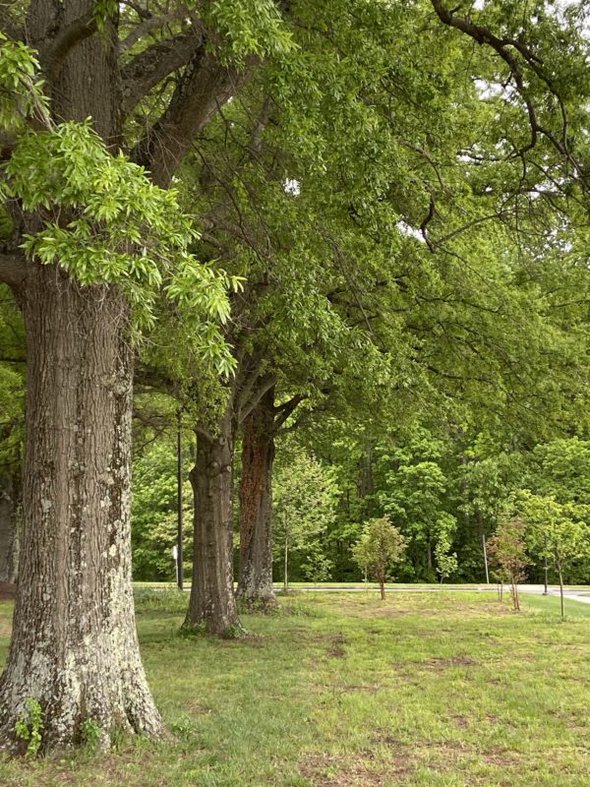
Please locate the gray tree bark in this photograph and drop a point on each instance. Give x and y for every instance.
(74, 646)
(212, 604)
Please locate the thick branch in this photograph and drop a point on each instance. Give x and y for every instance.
(284, 411)
(203, 88)
(265, 383)
(154, 64)
(66, 39)
(147, 26)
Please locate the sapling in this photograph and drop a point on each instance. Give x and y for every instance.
(381, 545)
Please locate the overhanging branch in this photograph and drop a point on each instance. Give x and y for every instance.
(148, 25)
(506, 49)
(154, 64)
(205, 86)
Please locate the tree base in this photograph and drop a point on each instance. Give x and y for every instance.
(260, 605)
(233, 631)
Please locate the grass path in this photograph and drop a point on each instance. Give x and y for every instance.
(343, 690)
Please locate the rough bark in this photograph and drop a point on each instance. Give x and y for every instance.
(212, 603)
(255, 586)
(10, 501)
(74, 647)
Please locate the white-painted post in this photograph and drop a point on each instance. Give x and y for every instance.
(175, 557)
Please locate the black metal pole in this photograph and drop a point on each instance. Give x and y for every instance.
(180, 576)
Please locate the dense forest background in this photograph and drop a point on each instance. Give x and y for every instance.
(443, 485)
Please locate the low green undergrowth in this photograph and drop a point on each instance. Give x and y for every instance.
(343, 690)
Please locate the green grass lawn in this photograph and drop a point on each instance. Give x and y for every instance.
(343, 690)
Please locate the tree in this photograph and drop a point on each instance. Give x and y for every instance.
(558, 532)
(507, 551)
(381, 546)
(446, 561)
(417, 496)
(91, 245)
(304, 506)
(255, 585)
(322, 218)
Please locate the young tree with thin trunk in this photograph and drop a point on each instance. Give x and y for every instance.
(507, 551)
(557, 531)
(380, 547)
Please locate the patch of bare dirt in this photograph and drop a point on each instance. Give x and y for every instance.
(337, 649)
(385, 612)
(500, 756)
(453, 661)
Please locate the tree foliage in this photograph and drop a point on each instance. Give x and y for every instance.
(380, 547)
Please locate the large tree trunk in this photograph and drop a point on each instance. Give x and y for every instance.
(10, 502)
(74, 647)
(212, 604)
(255, 586)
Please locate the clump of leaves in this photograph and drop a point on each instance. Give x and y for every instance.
(91, 734)
(30, 727)
(102, 219)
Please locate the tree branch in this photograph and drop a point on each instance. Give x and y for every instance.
(503, 47)
(201, 90)
(265, 383)
(146, 26)
(284, 411)
(66, 39)
(154, 64)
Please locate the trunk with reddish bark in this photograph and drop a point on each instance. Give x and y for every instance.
(255, 586)
(212, 603)
(74, 648)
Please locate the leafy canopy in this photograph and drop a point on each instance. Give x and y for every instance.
(103, 221)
